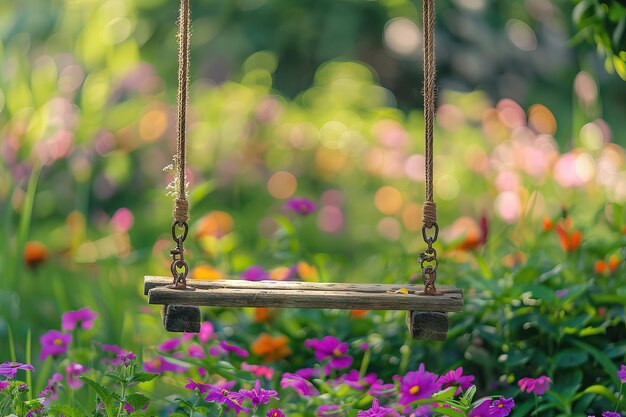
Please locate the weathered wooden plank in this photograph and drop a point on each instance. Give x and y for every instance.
(181, 318)
(151, 282)
(427, 325)
(299, 298)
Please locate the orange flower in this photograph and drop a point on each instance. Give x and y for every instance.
(614, 262)
(34, 253)
(261, 314)
(570, 241)
(206, 272)
(216, 223)
(358, 313)
(600, 267)
(514, 259)
(546, 224)
(306, 272)
(271, 348)
(280, 273)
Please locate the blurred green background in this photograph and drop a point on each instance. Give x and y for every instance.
(315, 98)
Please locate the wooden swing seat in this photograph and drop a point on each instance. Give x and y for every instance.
(427, 319)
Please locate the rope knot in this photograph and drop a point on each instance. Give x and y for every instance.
(430, 213)
(181, 210)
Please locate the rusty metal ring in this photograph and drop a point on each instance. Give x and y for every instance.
(433, 267)
(182, 225)
(430, 239)
(182, 265)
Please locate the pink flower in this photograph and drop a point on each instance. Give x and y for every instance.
(196, 351)
(537, 386)
(72, 371)
(329, 411)
(160, 364)
(85, 316)
(9, 369)
(50, 392)
(232, 400)
(171, 344)
(258, 370)
(234, 349)
(418, 384)
(4, 385)
(377, 411)
(456, 378)
(255, 273)
(54, 343)
(481, 410)
(206, 332)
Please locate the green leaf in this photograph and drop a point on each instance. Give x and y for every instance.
(445, 394)
(570, 358)
(450, 412)
(599, 390)
(469, 394)
(104, 393)
(137, 400)
(620, 67)
(143, 377)
(66, 410)
(591, 331)
(113, 375)
(606, 363)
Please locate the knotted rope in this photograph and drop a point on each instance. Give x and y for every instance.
(430, 208)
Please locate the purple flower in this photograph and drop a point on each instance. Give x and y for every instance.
(307, 373)
(330, 347)
(418, 384)
(201, 387)
(275, 412)
(353, 380)
(382, 390)
(561, 293)
(298, 384)
(501, 407)
(4, 385)
(85, 316)
(481, 410)
(72, 371)
(9, 369)
(54, 343)
(159, 365)
(171, 344)
(130, 409)
(196, 351)
(117, 352)
(300, 205)
(611, 414)
(377, 411)
(258, 395)
(329, 411)
(206, 332)
(234, 349)
(50, 392)
(232, 400)
(456, 378)
(255, 273)
(127, 358)
(621, 374)
(537, 386)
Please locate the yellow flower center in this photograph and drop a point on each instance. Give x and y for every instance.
(500, 405)
(337, 352)
(414, 389)
(57, 342)
(275, 414)
(157, 363)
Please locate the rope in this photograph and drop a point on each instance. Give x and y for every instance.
(430, 208)
(180, 211)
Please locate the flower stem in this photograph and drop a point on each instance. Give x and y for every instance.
(536, 405)
(619, 400)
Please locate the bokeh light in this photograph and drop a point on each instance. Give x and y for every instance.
(282, 185)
